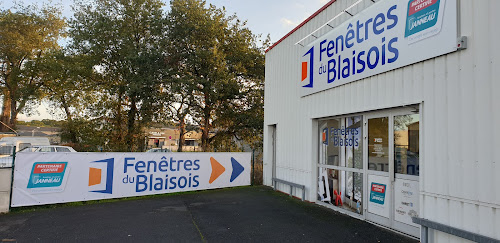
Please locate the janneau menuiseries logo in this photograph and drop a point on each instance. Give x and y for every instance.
(47, 175)
(422, 15)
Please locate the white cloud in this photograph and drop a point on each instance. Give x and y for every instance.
(299, 5)
(288, 23)
(324, 1)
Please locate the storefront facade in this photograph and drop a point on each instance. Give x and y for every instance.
(387, 111)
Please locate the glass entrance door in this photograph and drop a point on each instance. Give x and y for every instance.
(393, 163)
(406, 130)
(378, 173)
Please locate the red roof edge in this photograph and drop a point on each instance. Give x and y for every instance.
(302, 24)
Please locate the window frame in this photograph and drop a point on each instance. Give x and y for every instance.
(342, 160)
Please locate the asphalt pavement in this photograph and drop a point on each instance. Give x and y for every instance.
(247, 214)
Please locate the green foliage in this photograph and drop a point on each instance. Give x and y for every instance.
(68, 86)
(91, 135)
(27, 35)
(124, 41)
(215, 56)
(130, 65)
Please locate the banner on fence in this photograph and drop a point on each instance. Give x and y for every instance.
(48, 178)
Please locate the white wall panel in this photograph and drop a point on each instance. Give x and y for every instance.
(5, 185)
(461, 117)
(494, 36)
(446, 238)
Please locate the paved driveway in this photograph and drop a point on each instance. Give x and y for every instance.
(248, 214)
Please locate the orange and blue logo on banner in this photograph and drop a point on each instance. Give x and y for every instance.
(96, 176)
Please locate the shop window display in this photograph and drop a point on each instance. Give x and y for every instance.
(342, 189)
(342, 135)
(341, 148)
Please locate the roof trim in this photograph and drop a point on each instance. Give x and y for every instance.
(302, 24)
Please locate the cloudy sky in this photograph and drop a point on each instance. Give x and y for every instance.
(274, 17)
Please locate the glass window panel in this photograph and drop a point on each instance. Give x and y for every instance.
(406, 144)
(6, 150)
(333, 148)
(323, 145)
(62, 149)
(329, 151)
(353, 142)
(339, 135)
(354, 189)
(24, 145)
(378, 144)
(341, 189)
(46, 149)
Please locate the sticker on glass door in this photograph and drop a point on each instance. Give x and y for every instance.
(378, 203)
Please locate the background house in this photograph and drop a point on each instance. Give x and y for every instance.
(169, 138)
(52, 133)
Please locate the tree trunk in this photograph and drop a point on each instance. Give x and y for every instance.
(5, 117)
(182, 132)
(15, 107)
(205, 131)
(14, 111)
(131, 125)
(141, 140)
(204, 139)
(118, 133)
(69, 118)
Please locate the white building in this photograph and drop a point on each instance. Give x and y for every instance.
(393, 106)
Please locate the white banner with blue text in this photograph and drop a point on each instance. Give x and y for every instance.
(387, 35)
(49, 178)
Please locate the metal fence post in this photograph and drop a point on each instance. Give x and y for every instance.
(12, 176)
(253, 166)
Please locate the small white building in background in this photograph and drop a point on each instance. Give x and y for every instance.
(388, 111)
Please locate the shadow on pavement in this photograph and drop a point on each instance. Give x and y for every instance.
(247, 214)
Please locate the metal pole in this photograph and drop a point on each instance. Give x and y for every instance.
(17, 134)
(12, 176)
(253, 166)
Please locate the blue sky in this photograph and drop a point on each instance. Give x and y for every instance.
(274, 17)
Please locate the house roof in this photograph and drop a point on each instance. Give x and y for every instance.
(41, 129)
(29, 131)
(30, 134)
(173, 133)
